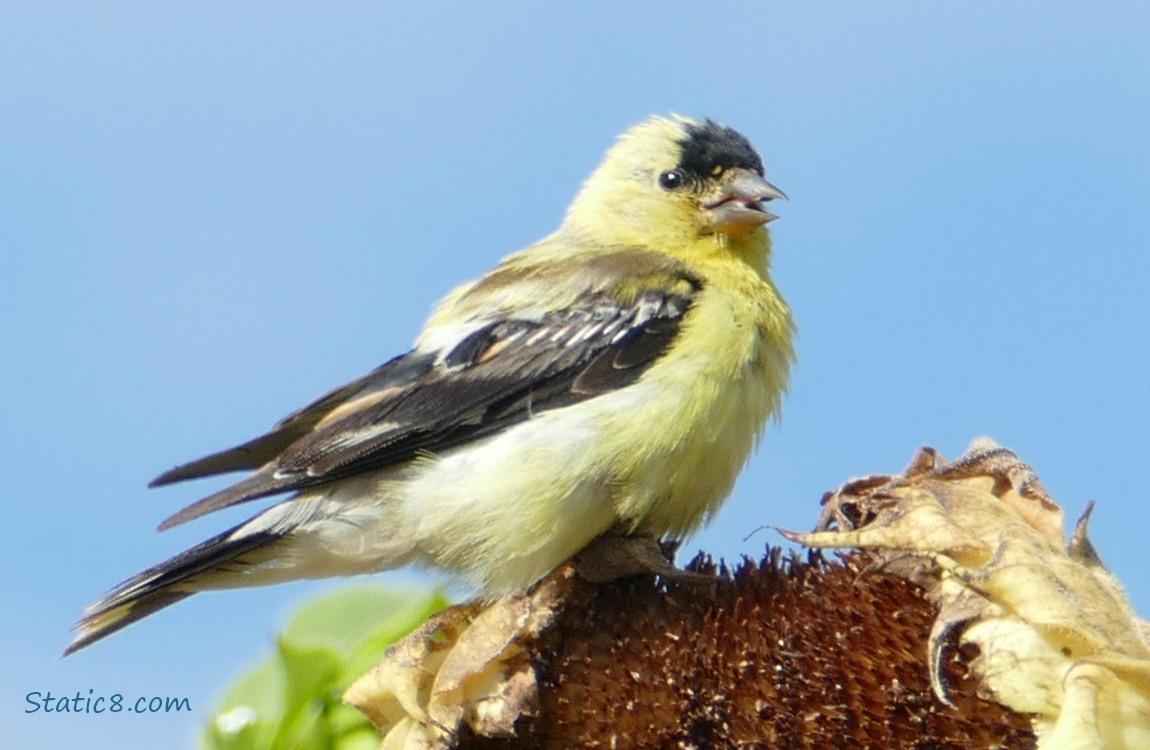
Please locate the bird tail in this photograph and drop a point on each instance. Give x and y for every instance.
(225, 556)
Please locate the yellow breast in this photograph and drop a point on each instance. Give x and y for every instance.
(706, 403)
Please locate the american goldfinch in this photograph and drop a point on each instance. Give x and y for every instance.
(615, 376)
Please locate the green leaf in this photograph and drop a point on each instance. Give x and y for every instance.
(344, 619)
(250, 710)
(292, 699)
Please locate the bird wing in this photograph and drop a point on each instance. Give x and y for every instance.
(399, 372)
(501, 372)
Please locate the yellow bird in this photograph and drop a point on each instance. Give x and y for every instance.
(614, 375)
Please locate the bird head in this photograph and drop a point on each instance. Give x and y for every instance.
(677, 183)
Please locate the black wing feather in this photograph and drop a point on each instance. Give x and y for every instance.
(495, 377)
(253, 454)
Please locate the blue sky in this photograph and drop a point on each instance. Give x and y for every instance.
(212, 212)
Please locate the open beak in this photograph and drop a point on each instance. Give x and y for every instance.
(739, 203)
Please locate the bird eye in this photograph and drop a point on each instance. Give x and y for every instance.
(672, 180)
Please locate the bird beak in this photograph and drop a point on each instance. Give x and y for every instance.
(737, 205)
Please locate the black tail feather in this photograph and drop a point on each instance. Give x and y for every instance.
(165, 584)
